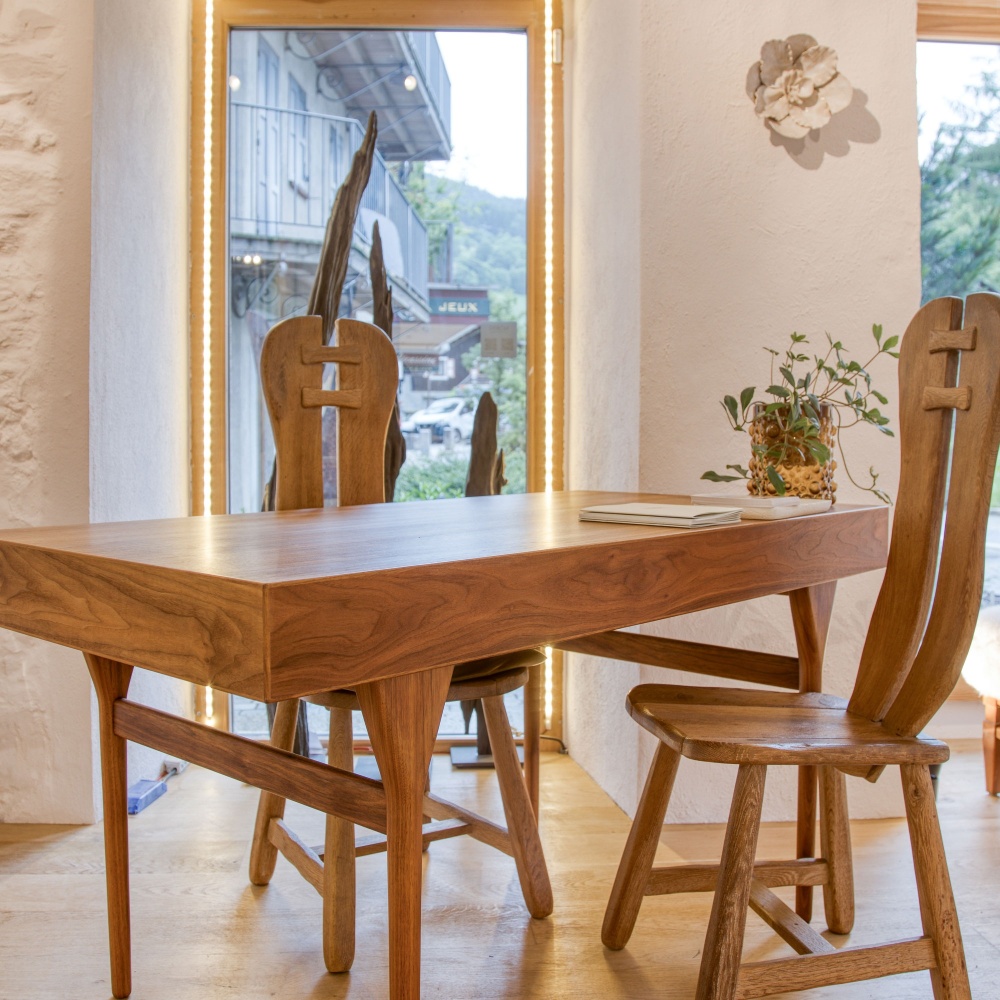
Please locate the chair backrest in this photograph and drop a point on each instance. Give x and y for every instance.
(291, 374)
(949, 429)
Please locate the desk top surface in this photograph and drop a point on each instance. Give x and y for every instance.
(268, 549)
(280, 605)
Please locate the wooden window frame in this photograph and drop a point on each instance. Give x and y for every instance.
(212, 21)
(957, 21)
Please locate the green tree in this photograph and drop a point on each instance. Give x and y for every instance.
(437, 480)
(960, 198)
(960, 203)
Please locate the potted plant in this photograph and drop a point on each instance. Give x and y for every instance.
(797, 421)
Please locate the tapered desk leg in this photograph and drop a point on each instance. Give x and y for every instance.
(111, 680)
(811, 609)
(402, 715)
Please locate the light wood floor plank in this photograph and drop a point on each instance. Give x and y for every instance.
(201, 932)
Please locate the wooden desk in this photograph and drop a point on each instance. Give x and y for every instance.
(384, 598)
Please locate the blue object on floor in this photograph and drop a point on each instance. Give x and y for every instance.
(142, 793)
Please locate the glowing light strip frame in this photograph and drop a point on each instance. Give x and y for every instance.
(212, 20)
(548, 252)
(206, 276)
(548, 688)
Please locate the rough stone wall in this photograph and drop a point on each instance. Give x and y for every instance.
(45, 92)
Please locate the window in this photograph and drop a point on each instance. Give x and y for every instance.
(958, 94)
(217, 283)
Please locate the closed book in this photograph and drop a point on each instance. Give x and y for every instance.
(667, 515)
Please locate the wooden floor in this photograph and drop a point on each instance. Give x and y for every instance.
(203, 933)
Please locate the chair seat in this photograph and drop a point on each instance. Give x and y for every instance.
(483, 678)
(490, 665)
(733, 726)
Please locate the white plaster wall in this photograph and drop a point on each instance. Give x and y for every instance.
(741, 239)
(45, 91)
(140, 466)
(603, 349)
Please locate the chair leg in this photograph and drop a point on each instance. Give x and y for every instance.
(263, 854)
(338, 857)
(111, 681)
(811, 608)
(937, 904)
(835, 839)
(522, 826)
(532, 733)
(720, 959)
(640, 849)
(805, 835)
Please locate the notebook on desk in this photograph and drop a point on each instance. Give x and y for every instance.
(670, 515)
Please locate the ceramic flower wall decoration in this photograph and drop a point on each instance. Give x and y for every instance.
(796, 87)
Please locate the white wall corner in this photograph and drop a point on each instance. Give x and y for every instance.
(735, 240)
(139, 351)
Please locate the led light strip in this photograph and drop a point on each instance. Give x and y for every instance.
(206, 296)
(549, 334)
(549, 270)
(206, 306)
(549, 688)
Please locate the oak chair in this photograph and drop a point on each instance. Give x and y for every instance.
(811, 608)
(921, 628)
(291, 367)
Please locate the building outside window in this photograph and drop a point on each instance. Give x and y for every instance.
(455, 252)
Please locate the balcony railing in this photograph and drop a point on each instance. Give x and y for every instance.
(430, 64)
(285, 168)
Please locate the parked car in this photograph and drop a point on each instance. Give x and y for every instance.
(452, 413)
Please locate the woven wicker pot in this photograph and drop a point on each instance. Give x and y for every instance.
(807, 479)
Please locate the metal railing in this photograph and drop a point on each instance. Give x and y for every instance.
(285, 167)
(430, 63)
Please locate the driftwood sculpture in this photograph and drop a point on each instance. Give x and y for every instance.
(395, 443)
(331, 272)
(486, 467)
(329, 285)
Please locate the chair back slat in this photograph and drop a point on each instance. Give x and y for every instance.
(938, 664)
(291, 372)
(901, 610)
(361, 433)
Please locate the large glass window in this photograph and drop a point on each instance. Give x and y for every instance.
(447, 189)
(958, 89)
(959, 147)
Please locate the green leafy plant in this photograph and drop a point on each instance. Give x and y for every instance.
(432, 479)
(806, 387)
